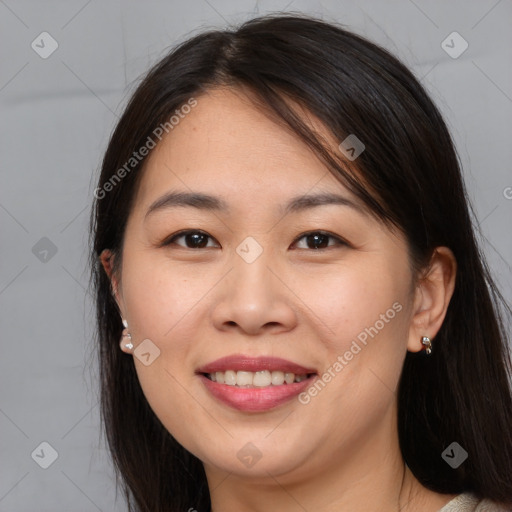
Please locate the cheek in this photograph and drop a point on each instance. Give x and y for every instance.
(358, 302)
(366, 314)
(161, 297)
(353, 309)
(164, 304)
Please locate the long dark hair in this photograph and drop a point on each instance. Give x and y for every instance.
(408, 175)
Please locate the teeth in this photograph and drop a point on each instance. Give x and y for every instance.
(230, 378)
(261, 379)
(244, 378)
(277, 378)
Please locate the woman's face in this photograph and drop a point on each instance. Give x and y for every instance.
(275, 280)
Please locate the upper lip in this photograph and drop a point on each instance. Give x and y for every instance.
(254, 364)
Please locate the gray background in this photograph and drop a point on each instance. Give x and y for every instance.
(56, 116)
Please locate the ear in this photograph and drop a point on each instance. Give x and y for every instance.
(107, 261)
(432, 296)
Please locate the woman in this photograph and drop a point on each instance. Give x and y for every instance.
(282, 230)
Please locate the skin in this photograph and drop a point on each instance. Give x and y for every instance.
(294, 301)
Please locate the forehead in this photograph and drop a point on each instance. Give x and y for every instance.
(230, 145)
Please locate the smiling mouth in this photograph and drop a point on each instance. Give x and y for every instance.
(259, 379)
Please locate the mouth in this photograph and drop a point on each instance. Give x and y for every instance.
(259, 379)
(255, 384)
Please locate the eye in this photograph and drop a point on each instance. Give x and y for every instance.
(197, 239)
(192, 238)
(319, 240)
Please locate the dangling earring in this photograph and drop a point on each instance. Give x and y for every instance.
(425, 340)
(126, 338)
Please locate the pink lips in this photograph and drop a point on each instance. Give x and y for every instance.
(254, 399)
(254, 364)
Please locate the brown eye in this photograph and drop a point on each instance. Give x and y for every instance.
(319, 240)
(195, 239)
(191, 239)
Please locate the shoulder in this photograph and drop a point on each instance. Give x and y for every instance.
(491, 506)
(468, 502)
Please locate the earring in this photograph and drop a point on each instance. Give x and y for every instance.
(425, 340)
(126, 338)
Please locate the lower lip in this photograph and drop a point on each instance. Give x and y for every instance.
(255, 399)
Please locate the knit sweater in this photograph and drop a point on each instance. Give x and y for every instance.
(468, 502)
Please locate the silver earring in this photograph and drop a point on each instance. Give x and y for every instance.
(126, 338)
(425, 341)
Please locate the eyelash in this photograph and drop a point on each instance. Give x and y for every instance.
(171, 240)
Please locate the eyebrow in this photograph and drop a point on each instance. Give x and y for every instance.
(212, 203)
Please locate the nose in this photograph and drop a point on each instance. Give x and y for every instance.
(253, 300)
